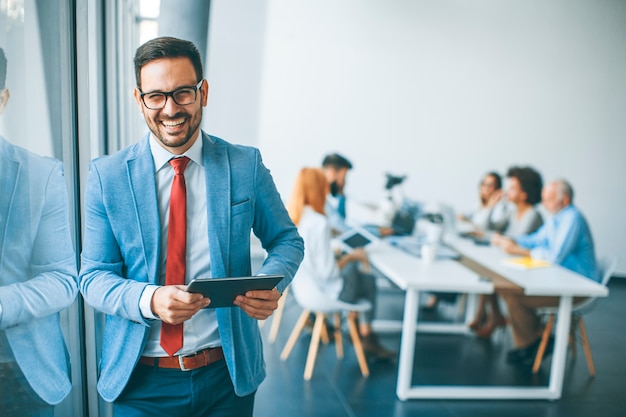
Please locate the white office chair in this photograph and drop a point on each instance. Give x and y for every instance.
(309, 296)
(606, 266)
(277, 316)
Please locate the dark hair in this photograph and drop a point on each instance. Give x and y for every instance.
(166, 47)
(496, 177)
(3, 69)
(530, 181)
(336, 161)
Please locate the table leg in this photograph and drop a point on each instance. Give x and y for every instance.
(407, 343)
(557, 370)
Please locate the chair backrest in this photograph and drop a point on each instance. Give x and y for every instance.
(606, 266)
(311, 297)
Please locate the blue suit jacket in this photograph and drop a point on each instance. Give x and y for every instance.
(121, 248)
(37, 267)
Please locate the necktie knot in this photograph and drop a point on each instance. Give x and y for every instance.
(179, 164)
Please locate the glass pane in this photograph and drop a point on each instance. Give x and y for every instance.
(38, 312)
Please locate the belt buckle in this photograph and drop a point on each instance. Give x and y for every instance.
(181, 362)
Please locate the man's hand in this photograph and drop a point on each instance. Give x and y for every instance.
(173, 305)
(509, 245)
(259, 304)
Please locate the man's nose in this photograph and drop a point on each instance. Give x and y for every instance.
(170, 108)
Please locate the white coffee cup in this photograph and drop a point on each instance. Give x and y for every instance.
(428, 252)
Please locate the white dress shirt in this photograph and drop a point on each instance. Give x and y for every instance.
(201, 330)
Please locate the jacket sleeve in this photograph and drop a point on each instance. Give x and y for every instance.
(47, 284)
(272, 225)
(102, 276)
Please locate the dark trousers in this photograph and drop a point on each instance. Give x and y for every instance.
(17, 398)
(202, 392)
(358, 285)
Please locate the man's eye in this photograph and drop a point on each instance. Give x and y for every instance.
(186, 92)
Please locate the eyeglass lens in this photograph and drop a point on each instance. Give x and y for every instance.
(182, 97)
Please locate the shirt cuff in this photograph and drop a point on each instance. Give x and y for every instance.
(146, 300)
(539, 253)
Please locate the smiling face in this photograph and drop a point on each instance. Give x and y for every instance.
(487, 187)
(552, 199)
(514, 192)
(176, 127)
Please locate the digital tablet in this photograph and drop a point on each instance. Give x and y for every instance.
(223, 291)
(356, 238)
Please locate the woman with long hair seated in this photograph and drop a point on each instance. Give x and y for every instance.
(524, 192)
(339, 275)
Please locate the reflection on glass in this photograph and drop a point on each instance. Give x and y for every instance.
(37, 259)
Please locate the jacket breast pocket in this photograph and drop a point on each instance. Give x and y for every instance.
(240, 207)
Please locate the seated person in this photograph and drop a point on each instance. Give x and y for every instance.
(341, 277)
(492, 211)
(524, 192)
(489, 216)
(563, 239)
(335, 168)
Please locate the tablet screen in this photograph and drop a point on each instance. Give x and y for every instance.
(223, 291)
(357, 240)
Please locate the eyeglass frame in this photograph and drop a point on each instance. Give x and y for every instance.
(167, 94)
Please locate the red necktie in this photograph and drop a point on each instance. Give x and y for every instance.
(172, 335)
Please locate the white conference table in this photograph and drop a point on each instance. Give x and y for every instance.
(412, 275)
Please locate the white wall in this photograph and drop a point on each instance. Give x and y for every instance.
(439, 90)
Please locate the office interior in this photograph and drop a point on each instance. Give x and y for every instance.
(440, 92)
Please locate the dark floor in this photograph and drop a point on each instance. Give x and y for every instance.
(337, 388)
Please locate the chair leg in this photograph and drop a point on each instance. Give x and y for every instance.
(586, 347)
(338, 339)
(542, 346)
(277, 316)
(356, 342)
(315, 342)
(324, 334)
(295, 333)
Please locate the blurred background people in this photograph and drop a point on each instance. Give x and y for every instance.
(342, 276)
(524, 193)
(564, 239)
(492, 210)
(335, 168)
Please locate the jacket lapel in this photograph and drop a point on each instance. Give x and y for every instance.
(8, 182)
(217, 170)
(143, 185)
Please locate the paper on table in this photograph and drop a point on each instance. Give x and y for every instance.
(526, 262)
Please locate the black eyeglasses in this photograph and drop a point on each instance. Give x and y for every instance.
(183, 96)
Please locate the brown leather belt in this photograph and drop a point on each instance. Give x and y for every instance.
(185, 363)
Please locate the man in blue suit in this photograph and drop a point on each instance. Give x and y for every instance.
(229, 192)
(37, 278)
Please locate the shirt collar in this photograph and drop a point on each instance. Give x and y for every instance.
(161, 156)
(556, 217)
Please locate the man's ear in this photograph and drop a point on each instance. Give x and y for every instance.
(4, 99)
(204, 88)
(137, 96)
(566, 201)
